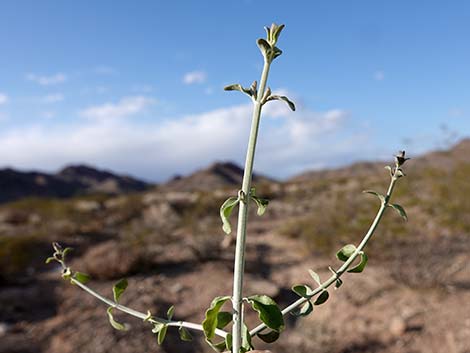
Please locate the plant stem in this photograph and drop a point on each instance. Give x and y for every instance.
(243, 215)
(348, 262)
(141, 315)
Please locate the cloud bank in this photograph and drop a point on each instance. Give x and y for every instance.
(288, 142)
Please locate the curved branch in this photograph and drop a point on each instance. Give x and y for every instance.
(345, 266)
(144, 316)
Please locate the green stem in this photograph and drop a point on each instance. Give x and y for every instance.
(346, 265)
(243, 215)
(143, 316)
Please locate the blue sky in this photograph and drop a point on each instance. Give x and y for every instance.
(136, 86)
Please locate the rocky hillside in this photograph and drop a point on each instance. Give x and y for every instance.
(168, 242)
(70, 181)
(219, 175)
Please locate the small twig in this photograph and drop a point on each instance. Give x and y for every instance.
(144, 316)
(338, 273)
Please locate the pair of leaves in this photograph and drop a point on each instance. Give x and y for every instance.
(270, 52)
(59, 254)
(118, 289)
(229, 205)
(215, 319)
(339, 281)
(273, 33)
(383, 199)
(306, 292)
(160, 328)
(346, 252)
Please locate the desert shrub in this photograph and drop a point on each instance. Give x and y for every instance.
(227, 330)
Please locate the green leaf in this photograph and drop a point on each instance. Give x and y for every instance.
(223, 319)
(184, 334)
(234, 87)
(65, 252)
(400, 210)
(345, 253)
(338, 283)
(276, 52)
(389, 169)
(360, 267)
(303, 290)
(119, 288)
(269, 337)
(81, 277)
(275, 32)
(315, 276)
(114, 323)
(170, 312)
(50, 259)
(323, 297)
(282, 98)
(162, 334)
(306, 309)
(225, 212)
(238, 87)
(246, 339)
(372, 192)
(261, 203)
(210, 322)
(268, 311)
(264, 47)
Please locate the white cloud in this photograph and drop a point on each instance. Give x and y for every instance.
(52, 98)
(287, 144)
(379, 75)
(127, 106)
(195, 77)
(47, 80)
(3, 98)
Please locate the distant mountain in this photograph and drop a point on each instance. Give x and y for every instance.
(443, 159)
(217, 176)
(96, 180)
(70, 181)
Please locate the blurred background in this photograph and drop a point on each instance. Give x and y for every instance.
(117, 139)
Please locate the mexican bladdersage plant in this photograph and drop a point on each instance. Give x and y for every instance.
(216, 321)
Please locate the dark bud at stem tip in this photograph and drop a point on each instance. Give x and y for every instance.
(400, 158)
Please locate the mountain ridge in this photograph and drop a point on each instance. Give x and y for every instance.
(70, 181)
